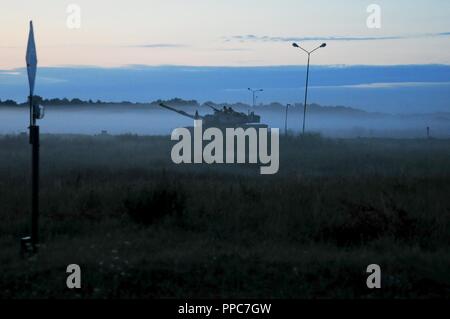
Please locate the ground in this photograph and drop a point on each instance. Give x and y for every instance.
(142, 227)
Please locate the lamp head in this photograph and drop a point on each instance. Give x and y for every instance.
(323, 45)
(295, 45)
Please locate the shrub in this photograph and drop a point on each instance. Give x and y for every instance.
(148, 207)
(360, 224)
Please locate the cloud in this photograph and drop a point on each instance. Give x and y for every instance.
(377, 85)
(158, 45)
(2, 72)
(384, 85)
(265, 38)
(234, 49)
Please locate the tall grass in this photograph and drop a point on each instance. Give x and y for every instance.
(140, 226)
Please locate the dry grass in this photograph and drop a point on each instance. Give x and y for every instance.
(140, 226)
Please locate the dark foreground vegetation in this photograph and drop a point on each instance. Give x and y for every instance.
(141, 227)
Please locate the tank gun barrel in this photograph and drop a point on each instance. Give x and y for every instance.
(214, 108)
(194, 117)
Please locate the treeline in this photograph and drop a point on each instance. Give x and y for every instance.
(178, 102)
(65, 101)
(175, 101)
(8, 103)
(56, 101)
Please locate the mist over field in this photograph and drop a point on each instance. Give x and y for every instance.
(149, 119)
(410, 98)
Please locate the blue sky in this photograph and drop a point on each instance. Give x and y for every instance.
(226, 32)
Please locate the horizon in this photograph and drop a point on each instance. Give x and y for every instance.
(388, 89)
(179, 102)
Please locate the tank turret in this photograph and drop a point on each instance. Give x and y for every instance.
(223, 118)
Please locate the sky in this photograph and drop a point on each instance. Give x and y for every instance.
(143, 50)
(225, 32)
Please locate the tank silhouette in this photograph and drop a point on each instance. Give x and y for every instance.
(223, 118)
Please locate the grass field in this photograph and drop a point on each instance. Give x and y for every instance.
(142, 227)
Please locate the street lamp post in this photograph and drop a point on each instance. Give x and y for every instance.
(254, 96)
(286, 119)
(295, 45)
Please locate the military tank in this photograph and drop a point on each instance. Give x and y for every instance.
(223, 118)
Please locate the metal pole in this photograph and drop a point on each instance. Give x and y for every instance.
(34, 141)
(295, 45)
(285, 121)
(306, 94)
(31, 242)
(254, 102)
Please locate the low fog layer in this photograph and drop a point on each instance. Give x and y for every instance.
(152, 120)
